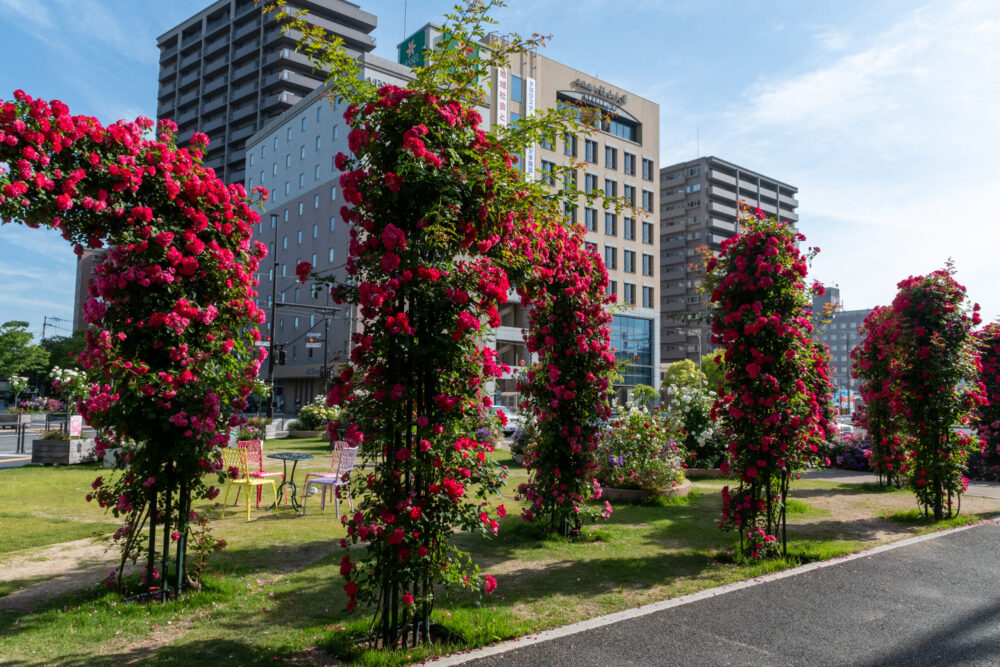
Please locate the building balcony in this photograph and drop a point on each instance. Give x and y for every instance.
(245, 30)
(788, 201)
(718, 207)
(671, 197)
(718, 176)
(769, 193)
(674, 181)
(281, 100)
(190, 59)
(216, 85)
(240, 92)
(168, 53)
(246, 69)
(672, 306)
(190, 77)
(167, 69)
(289, 78)
(716, 239)
(672, 244)
(216, 45)
(216, 24)
(217, 65)
(725, 226)
(165, 109)
(243, 112)
(721, 193)
(788, 215)
(678, 290)
(245, 50)
(242, 133)
(189, 96)
(186, 116)
(214, 105)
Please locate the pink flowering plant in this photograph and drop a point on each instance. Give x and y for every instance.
(169, 358)
(639, 450)
(987, 415)
(936, 374)
(872, 362)
(775, 409)
(567, 389)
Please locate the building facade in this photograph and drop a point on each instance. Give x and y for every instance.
(228, 70)
(699, 206)
(839, 330)
(293, 157)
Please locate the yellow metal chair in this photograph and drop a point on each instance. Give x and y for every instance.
(235, 458)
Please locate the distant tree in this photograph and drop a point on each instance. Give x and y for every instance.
(683, 373)
(712, 369)
(643, 396)
(63, 350)
(18, 356)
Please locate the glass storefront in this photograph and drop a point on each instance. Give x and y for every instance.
(632, 338)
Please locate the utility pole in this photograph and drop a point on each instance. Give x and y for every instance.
(324, 370)
(270, 337)
(45, 324)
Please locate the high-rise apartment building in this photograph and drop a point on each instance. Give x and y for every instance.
(699, 206)
(839, 330)
(228, 70)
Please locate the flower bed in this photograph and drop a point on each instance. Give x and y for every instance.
(639, 451)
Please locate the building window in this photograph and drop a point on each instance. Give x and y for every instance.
(313, 263)
(610, 224)
(275, 144)
(590, 151)
(315, 233)
(333, 193)
(331, 255)
(284, 244)
(569, 179)
(569, 145)
(295, 323)
(647, 297)
(296, 295)
(693, 171)
(298, 236)
(288, 162)
(628, 192)
(303, 123)
(316, 173)
(610, 188)
(629, 296)
(647, 201)
(547, 169)
(547, 143)
(569, 211)
(318, 141)
(288, 187)
(315, 201)
(302, 152)
(590, 219)
(628, 164)
(301, 208)
(610, 257)
(647, 169)
(628, 228)
(694, 204)
(250, 184)
(252, 157)
(333, 223)
(613, 288)
(610, 157)
(591, 247)
(336, 132)
(647, 233)
(589, 183)
(628, 261)
(284, 267)
(288, 133)
(286, 215)
(516, 88)
(274, 168)
(302, 181)
(647, 264)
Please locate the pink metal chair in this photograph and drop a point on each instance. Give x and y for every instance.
(338, 477)
(255, 464)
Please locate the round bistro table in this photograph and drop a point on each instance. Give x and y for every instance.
(286, 479)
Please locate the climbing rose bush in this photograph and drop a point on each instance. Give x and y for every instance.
(871, 361)
(567, 389)
(169, 357)
(987, 415)
(428, 191)
(936, 374)
(775, 410)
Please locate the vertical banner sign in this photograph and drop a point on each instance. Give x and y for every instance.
(529, 110)
(503, 94)
(75, 426)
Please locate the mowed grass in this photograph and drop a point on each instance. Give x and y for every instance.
(275, 594)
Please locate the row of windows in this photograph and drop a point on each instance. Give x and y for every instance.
(628, 260)
(590, 153)
(629, 293)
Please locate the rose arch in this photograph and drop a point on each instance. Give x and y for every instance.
(169, 357)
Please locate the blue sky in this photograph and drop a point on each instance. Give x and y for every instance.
(884, 114)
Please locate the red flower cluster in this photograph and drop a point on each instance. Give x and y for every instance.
(777, 406)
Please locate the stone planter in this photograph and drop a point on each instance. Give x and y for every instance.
(270, 431)
(703, 472)
(63, 452)
(635, 495)
(310, 434)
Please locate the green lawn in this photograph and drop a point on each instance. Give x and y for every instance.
(275, 594)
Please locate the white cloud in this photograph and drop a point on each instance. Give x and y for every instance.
(30, 10)
(892, 143)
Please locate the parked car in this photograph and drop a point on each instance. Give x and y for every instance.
(846, 429)
(513, 419)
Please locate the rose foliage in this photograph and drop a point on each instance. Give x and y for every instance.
(871, 363)
(776, 407)
(987, 415)
(169, 356)
(935, 375)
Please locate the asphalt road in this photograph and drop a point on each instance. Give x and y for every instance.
(934, 602)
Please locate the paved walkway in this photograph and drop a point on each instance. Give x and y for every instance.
(981, 489)
(929, 600)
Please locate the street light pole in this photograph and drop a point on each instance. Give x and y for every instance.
(270, 337)
(326, 338)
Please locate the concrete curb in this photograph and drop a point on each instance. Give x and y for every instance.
(654, 607)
